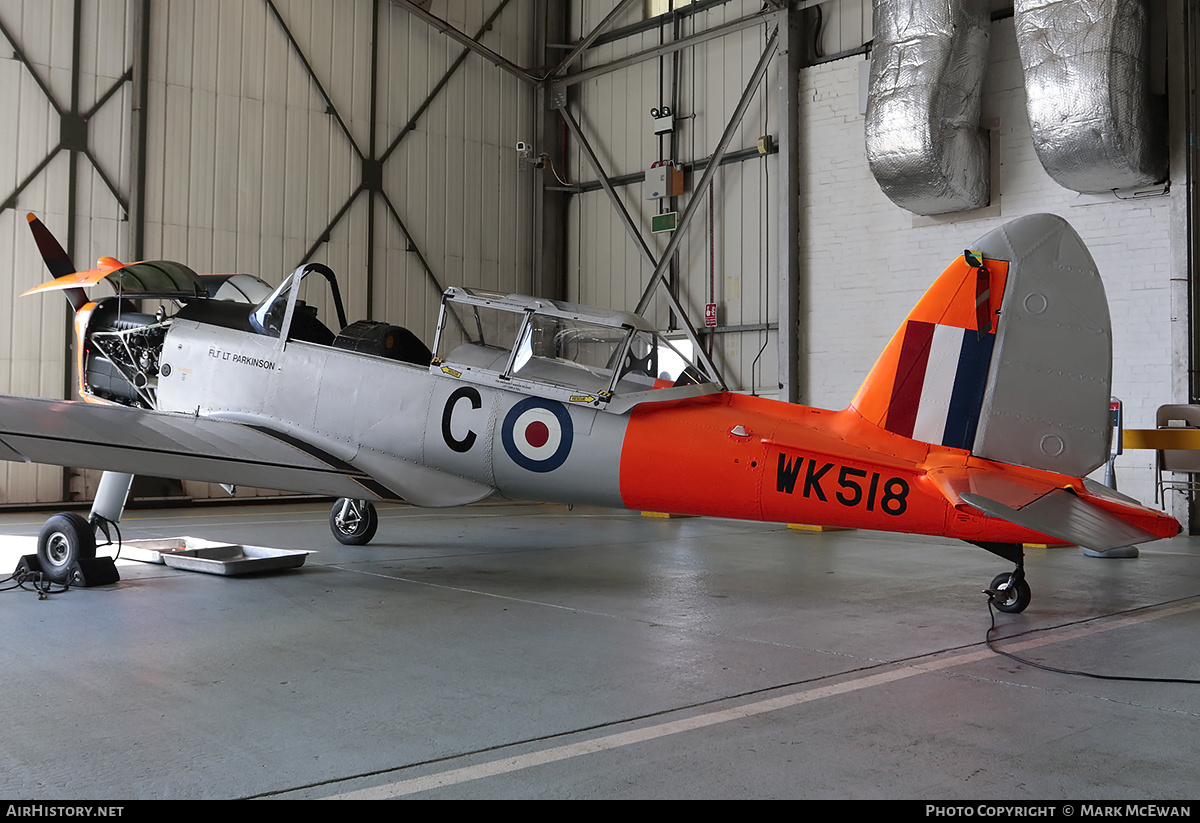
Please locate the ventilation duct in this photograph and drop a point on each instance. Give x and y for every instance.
(1095, 125)
(924, 144)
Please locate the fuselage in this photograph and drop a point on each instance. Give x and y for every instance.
(437, 438)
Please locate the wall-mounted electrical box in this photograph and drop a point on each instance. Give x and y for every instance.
(663, 180)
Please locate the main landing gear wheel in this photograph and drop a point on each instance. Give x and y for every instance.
(353, 522)
(64, 540)
(1011, 593)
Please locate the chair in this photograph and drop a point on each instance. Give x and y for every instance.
(1177, 461)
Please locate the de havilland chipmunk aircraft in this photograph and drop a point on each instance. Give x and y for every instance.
(979, 421)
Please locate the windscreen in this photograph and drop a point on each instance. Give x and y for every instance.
(478, 335)
(654, 362)
(567, 352)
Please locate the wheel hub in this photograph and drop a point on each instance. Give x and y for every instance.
(1006, 593)
(58, 548)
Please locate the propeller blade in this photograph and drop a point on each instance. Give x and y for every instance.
(56, 259)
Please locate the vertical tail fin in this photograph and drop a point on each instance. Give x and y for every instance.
(1033, 389)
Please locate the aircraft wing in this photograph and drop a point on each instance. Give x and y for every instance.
(138, 441)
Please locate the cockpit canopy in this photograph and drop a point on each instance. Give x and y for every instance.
(578, 354)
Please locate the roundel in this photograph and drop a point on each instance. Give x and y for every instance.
(537, 434)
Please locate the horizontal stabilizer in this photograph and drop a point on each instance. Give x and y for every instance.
(1013, 490)
(1063, 515)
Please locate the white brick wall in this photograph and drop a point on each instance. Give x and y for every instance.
(865, 261)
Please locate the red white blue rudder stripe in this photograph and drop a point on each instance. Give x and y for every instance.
(940, 380)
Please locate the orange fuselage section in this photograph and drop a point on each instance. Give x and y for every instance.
(751, 458)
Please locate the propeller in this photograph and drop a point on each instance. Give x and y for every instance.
(57, 260)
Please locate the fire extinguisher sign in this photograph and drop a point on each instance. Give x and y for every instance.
(710, 315)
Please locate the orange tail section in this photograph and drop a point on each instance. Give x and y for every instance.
(929, 382)
(1008, 355)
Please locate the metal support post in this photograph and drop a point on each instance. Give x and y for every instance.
(789, 208)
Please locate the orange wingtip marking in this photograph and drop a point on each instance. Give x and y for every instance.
(80, 279)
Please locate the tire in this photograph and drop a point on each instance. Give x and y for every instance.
(63, 541)
(1012, 595)
(359, 525)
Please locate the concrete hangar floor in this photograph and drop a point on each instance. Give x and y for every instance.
(520, 651)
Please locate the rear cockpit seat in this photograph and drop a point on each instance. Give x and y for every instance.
(384, 340)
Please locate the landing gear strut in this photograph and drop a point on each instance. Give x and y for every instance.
(353, 522)
(1008, 592)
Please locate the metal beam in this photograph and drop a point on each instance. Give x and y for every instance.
(68, 384)
(10, 202)
(682, 11)
(121, 201)
(694, 203)
(548, 242)
(791, 34)
(474, 45)
(412, 248)
(330, 109)
(437, 88)
(632, 229)
(591, 38)
(141, 129)
(743, 328)
(72, 135)
(324, 236)
(24, 61)
(404, 132)
(120, 81)
(750, 21)
(607, 185)
(739, 156)
(377, 169)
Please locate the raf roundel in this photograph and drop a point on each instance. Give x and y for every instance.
(537, 434)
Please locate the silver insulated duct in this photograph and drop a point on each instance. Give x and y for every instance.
(924, 144)
(1095, 125)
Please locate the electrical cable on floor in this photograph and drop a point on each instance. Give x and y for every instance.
(1093, 675)
(38, 580)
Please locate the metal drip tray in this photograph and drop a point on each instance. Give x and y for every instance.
(234, 560)
(197, 555)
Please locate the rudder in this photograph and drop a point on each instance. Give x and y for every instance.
(1034, 388)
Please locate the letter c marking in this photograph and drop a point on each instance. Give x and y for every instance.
(467, 442)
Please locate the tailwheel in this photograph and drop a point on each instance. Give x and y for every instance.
(1009, 592)
(353, 522)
